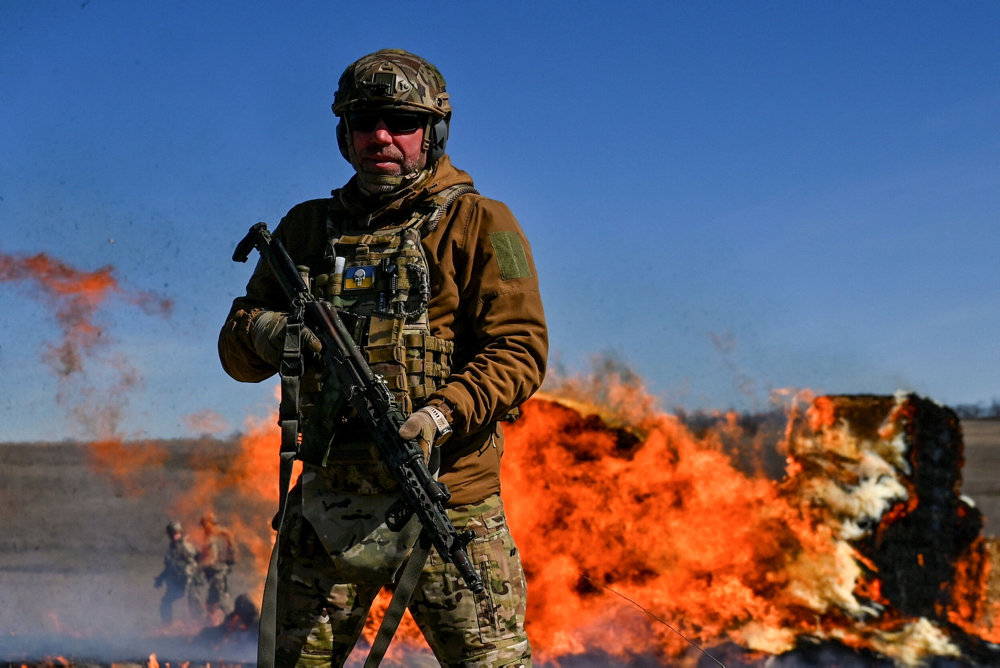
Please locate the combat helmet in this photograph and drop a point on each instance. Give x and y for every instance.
(173, 528)
(393, 78)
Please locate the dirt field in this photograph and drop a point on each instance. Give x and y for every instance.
(79, 550)
(981, 474)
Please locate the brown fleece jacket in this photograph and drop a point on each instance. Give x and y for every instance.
(484, 297)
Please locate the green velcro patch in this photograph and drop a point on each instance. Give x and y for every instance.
(510, 255)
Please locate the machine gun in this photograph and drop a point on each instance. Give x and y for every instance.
(421, 494)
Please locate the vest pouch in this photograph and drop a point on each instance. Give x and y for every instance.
(428, 363)
(386, 354)
(352, 529)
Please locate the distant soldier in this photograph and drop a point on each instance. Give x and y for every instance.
(239, 627)
(180, 574)
(216, 560)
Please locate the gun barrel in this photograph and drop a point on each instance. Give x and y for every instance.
(460, 558)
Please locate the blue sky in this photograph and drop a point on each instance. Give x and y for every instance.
(730, 197)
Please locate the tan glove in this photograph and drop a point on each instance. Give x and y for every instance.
(425, 425)
(267, 332)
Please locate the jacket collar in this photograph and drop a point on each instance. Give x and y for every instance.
(444, 175)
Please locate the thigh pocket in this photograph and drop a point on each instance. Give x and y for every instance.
(501, 611)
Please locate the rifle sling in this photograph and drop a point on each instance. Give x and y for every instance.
(288, 418)
(401, 595)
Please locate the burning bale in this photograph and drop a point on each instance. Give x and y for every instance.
(885, 473)
(865, 544)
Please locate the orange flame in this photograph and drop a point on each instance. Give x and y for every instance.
(604, 492)
(666, 519)
(661, 517)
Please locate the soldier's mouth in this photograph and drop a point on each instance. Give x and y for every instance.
(382, 166)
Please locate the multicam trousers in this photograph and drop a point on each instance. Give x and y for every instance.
(218, 597)
(321, 618)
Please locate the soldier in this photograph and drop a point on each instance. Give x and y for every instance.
(179, 575)
(440, 291)
(216, 560)
(238, 628)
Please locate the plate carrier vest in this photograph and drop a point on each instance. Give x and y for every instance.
(379, 281)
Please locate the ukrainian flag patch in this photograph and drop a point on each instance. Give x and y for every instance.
(359, 277)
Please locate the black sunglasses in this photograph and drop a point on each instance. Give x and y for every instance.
(396, 122)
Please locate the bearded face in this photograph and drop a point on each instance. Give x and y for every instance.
(388, 149)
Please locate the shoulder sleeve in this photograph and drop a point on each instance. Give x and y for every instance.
(487, 274)
(303, 233)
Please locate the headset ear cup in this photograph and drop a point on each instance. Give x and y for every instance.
(438, 139)
(342, 139)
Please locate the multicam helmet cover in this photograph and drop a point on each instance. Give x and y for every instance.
(392, 78)
(395, 79)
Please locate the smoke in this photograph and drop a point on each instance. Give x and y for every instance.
(206, 422)
(94, 396)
